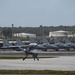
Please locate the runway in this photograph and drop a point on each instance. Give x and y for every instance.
(64, 63)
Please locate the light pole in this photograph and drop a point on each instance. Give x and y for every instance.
(65, 32)
(42, 31)
(12, 32)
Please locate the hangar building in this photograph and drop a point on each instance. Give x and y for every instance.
(25, 35)
(60, 33)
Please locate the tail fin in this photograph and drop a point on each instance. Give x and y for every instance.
(19, 42)
(45, 41)
(33, 41)
(56, 41)
(67, 41)
(52, 41)
(5, 43)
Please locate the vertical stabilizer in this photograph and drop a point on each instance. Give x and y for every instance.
(5, 43)
(67, 41)
(19, 42)
(56, 41)
(45, 41)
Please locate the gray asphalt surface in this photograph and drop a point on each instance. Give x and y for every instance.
(64, 63)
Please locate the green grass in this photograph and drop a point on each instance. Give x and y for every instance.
(10, 57)
(36, 72)
(21, 57)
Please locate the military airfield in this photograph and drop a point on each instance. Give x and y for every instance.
(49, 25)
(56, 57)
(51, 60)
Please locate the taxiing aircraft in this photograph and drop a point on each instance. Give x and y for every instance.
(33, 52)
(32, 45)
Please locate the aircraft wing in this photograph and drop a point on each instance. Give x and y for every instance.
(39, 51)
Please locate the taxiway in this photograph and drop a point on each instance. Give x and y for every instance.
(64, 63)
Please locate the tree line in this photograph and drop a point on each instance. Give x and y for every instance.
(39, 31)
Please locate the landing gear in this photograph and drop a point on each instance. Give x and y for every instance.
(25, 57)
(45, 49)
(68, 49)
(56, 49)
(35, 57)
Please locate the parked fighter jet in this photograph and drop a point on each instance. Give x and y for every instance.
(21, 44)
(7, 45)
(61, 45)
(48, 45)
(69, 43)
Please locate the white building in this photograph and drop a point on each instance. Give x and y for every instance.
(25, 35)
(59, 33)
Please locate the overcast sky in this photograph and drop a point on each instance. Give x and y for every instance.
(32, 13)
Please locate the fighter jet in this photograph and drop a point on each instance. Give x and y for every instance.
(21, 44)
(69, 43)
(61, 45)
(33, 52)
(32, 45)
(49, 46)
(7, 45)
